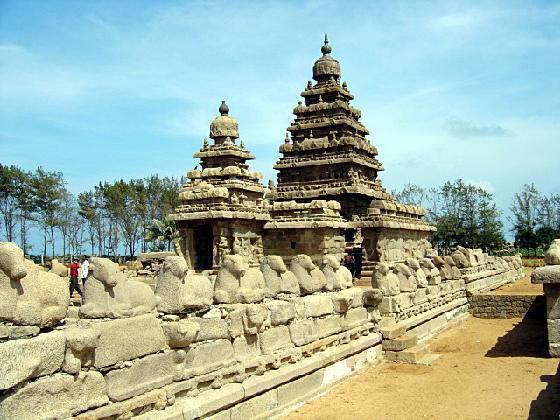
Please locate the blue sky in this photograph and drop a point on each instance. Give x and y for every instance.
(103, 90)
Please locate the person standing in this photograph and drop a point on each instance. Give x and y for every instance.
(74, 285)
(85, 270)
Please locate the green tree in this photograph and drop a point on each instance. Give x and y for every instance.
(48, 192)
(9, 204)
(162, 231)
(463, 214)
(524, 210)
(89, 212)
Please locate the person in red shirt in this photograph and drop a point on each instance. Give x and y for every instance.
(74, 285)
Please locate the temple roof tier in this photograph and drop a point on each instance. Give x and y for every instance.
(299, 162)
(355, 144)
(328, 122)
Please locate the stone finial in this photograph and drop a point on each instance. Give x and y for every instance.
(223, 125)
(326, 48)
(309, 85)
(224, 109)
(205, 143)
(287, 138)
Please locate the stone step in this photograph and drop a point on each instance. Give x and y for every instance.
(362, 282)
(414, 354)
(401, 343)
(428, 359)
(392, 331)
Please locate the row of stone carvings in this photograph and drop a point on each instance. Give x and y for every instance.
(420, 273)
(105, 368)
(30, 296)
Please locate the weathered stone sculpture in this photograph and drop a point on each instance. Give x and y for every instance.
(385, 280)
(310, 278)
(460, 258)
(58, 268)
(430, 270)
(236, 283)
(417, 272)
(337, 276)
(109, 294)
(178, 290)
(28, 295)
(453, 266)
(277, 278)
(407, 282)
(552, 256)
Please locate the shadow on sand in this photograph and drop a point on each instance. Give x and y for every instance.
(547, 403)
(528, 338)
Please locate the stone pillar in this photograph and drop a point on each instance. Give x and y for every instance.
(549, 277)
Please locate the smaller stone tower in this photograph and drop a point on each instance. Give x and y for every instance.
(221, 210)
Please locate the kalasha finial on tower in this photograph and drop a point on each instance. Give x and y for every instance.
(224, 109)
(326, 49)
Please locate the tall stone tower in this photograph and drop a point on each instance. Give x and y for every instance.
(327, 155)
(221, 209)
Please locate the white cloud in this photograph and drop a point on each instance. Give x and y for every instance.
(466, 130)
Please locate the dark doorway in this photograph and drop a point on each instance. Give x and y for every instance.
(203, 247)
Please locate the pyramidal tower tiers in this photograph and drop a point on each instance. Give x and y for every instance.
(221, 210)
(328, 198)
(327, 154)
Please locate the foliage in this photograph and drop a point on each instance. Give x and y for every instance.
(104, 219)
(535, 218)
(162, 232)
(463, 214)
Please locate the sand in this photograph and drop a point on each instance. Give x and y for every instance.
(489, 369)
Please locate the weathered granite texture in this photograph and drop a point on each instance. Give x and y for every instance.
(415, 286)
(28, 295)
(506, 306)
(109, 294)
(222, 208)
(549, 276)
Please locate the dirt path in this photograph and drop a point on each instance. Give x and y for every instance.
(489, 369)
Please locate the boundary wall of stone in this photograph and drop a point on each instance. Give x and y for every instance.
(423, 297)
(232, 359)
(506, 306)
(261, 351)
(549, 277)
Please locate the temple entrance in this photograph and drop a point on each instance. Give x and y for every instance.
(203, 240)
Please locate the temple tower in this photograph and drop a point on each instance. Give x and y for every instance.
(327, 155)
(221, 210)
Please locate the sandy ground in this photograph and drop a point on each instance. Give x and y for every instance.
(489, 369)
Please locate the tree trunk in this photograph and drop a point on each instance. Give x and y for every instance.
(45, 241)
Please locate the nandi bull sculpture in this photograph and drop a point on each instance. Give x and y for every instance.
(109, 294)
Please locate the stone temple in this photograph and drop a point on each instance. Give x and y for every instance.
(328, 198)
(255, 314)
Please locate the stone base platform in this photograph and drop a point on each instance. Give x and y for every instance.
(278, 391)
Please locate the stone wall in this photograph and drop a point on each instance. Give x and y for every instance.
(506, 306)
(246, 342)
(549, 277)
(194, 355)
(316, 242)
